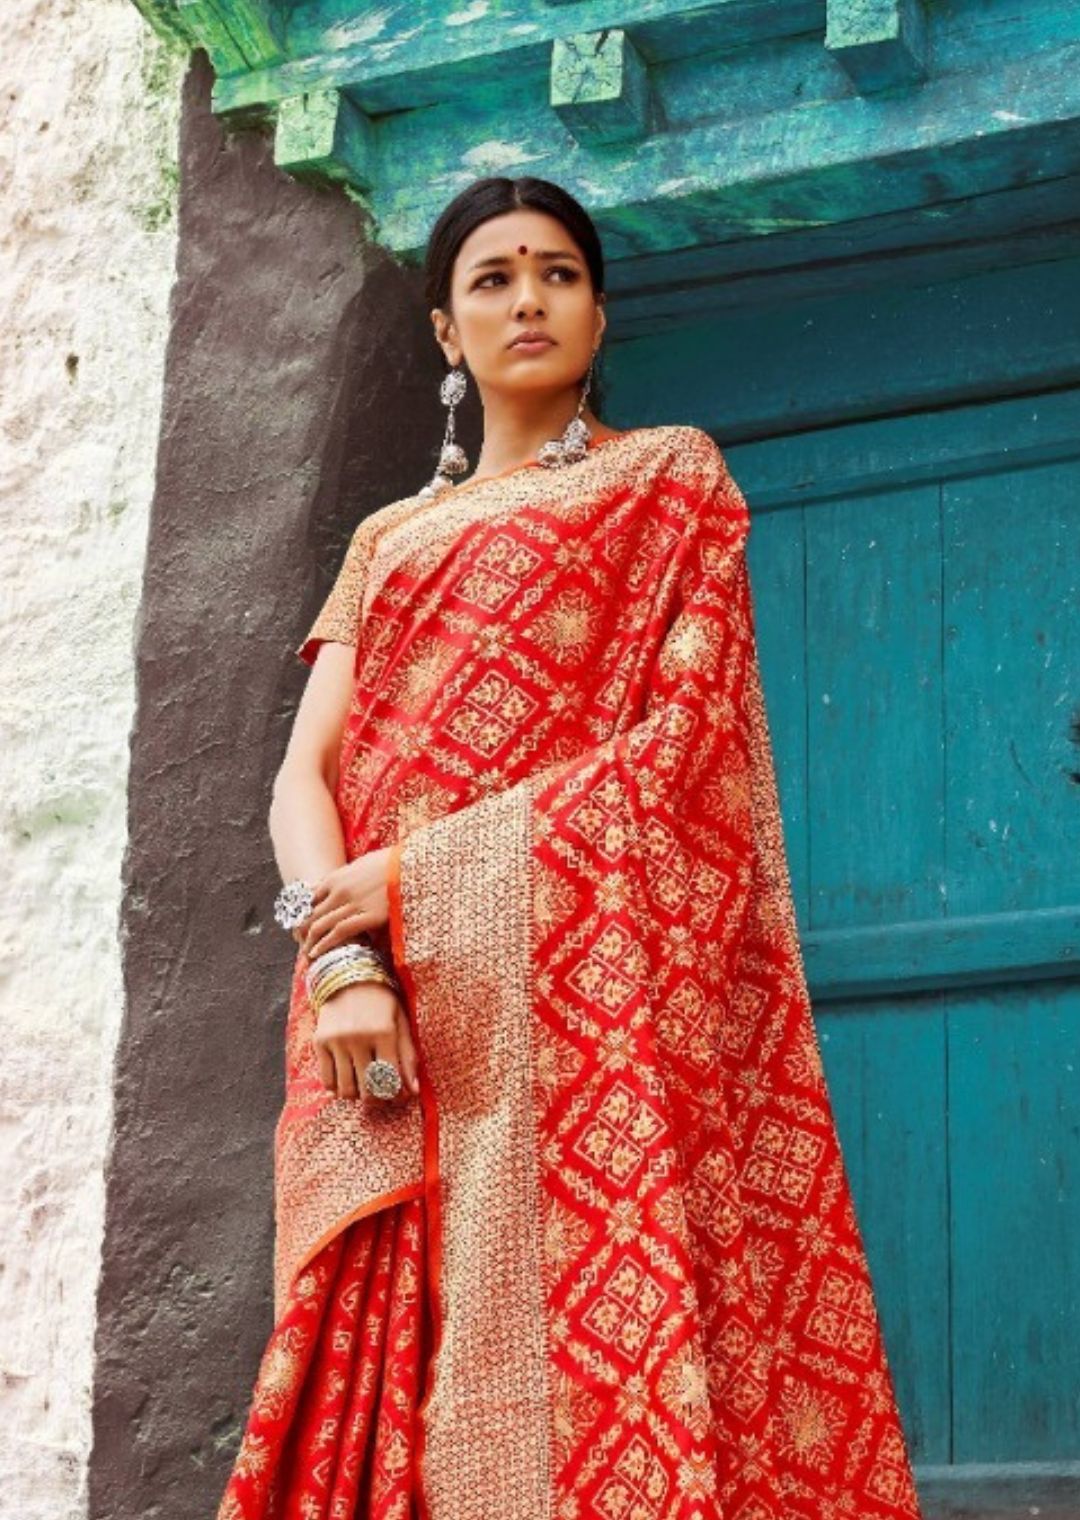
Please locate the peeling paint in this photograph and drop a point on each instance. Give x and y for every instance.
(476, 10)
(384, 50)
(363, 29)
(497, 154)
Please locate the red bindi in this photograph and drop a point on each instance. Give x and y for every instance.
(523, 249)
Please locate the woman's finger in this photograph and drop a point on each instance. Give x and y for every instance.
(346, 1073)
(326, 1067)
(325, 918)
(329, 933)
(407, 1058)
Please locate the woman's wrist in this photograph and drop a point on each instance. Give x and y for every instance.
(345, 965)
(370, 988)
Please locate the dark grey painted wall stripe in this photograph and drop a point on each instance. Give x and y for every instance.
(300, 392)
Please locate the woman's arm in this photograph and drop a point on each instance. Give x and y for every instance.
(366, 1019)
(305, 826)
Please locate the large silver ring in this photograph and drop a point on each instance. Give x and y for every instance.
(382, 1078)
(293, 904)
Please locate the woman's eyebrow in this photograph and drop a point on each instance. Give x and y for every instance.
(504, 258)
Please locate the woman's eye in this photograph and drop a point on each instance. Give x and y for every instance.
(562, 269)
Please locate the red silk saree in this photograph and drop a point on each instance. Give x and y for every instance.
(606, 1266)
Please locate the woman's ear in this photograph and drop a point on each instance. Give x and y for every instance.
(446, 336)
(601, 317)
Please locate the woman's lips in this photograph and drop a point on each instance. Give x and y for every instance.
(532, 346)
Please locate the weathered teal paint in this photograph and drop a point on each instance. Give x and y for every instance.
(684, 127)
(881, 43)
(600, 87)
(321, 135)
(940, 352)
(237, 34)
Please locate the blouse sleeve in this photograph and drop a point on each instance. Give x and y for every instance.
(338, 619)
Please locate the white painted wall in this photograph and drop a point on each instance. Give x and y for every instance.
(89, 109)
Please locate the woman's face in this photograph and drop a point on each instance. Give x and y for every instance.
(516, 273)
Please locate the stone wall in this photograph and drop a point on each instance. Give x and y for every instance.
(88, 181)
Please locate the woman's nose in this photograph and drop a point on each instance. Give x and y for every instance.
(528, 300)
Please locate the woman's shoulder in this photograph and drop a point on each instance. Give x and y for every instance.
(676, 432)
(688, 453)
(388, 515)
(691, 457)
(680, 450)
(682, 441)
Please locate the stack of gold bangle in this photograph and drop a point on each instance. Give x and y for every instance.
(356, 961)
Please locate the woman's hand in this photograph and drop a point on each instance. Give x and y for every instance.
(350, 900)
(357, 1023)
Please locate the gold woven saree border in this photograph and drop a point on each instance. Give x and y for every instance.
(335, 1159)
(462, 903)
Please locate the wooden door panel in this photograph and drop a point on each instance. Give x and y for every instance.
(1014, 1161)
(919, 634)
(885, 1062)
(776, 557)
(873, 636)
(1012, 673)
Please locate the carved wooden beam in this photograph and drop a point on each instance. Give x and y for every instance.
(321, 135)
(237, 34)
(689, 128)
(769, 172)
(401, 54)
(881, 43)
(600, 87)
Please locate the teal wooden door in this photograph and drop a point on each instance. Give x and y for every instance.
(917, 595)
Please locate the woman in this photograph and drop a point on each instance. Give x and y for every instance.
(563, 1227)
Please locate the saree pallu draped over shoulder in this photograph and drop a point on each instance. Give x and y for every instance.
(616, 1267)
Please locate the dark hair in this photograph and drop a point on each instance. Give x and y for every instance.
(494, 196)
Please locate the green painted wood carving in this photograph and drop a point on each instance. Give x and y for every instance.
(238, 34)
(687, 127)
(879, 42)
(321, 135)
(600, 86)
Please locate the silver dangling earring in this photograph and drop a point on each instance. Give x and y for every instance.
(574, 441)
(452, 457)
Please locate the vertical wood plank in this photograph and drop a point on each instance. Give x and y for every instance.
(1014, 1160)
(874, 700)
(776, 558)
(1012, 672)
(885, 1065)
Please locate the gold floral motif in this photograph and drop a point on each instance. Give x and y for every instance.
(812, 1421)
(278, 1374)
(252, 1457)
(338, 618)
